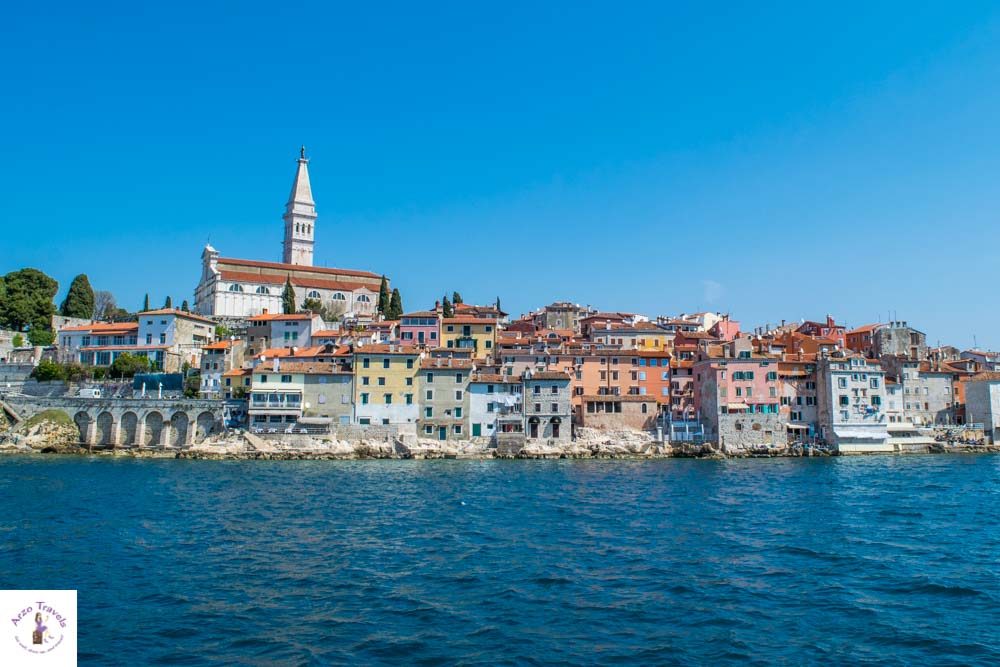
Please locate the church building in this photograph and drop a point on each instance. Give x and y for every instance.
(241, 288)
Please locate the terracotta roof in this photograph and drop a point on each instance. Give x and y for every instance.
(307, 367)
(868, 328)
(105, 327)
(237, 372)
(268, 317)
(327, 333)
(549, 375)
(220, 345)
(422, 313)
(990, 376)
(297, 268)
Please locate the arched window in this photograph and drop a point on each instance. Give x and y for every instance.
(364, 298)
(263, 290)
(312, 294)
(645, 408)
(337, 296)
(296, 228)
(235, 288)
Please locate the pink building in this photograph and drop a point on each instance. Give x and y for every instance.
(421, 328)
(723, 386)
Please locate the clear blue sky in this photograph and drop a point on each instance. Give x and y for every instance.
(775, 162)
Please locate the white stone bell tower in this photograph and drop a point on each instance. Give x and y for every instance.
(300, 217)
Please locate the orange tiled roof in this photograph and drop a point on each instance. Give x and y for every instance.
(274, 279)
(220, 345)
(468, 319)
(385, 348)
(177, 313)
(105, 327)
(297, 268)
(446, 363)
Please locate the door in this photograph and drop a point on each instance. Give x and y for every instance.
(477, 430)
(534, 430)
(420, 337)
(442, 432)
(555, 430)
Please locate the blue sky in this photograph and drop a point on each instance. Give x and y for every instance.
(774, 162)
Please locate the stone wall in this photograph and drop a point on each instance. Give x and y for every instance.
(743, 430)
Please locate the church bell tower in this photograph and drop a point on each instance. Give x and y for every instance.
(300, 217)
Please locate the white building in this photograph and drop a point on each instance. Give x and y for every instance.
(239, 288)
(850, 392)
(490, 397)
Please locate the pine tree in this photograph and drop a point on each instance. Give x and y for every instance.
(288, 298)
(145, 303)
(446, 309)
(185, 307)
(456, 298)
(169, 303)
(395, 310)
(383, 296)
(79, 300)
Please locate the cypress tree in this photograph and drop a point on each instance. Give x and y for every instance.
(79, 301)
(446, 309)
(185, 307)
(288, 298)
(145, 303)
(456, 298)
(395, 310)
(169, 303)
(498, 304)
(383, 296)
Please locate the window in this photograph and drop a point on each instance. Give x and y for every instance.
(555, 407)
(409, 382)
(409, 399)
(364, 398)
(430, 394)
(876, 401)
(458, 377)
(428, 412)
(537, 389)
(365, 380)
(430, 378)
(844, 400)
(365, 363)
(385, 363)
(286, 378)
(772, 376)
(458, 394)
(364, 298)
(263, 378)
(555, 389)
(387, 398)
(457, 429)
(489, 389)
(538, 407)
(381, 382)
(409, 363)
(312, 294)
(337, 296)
(235, 288)
(262, 290)
(458, 413)
(163, 339)
(842, 383)
(874, 383)
(428, 429)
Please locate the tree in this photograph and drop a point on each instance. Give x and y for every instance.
(127, 365)
(104, 305)
(145, 303)
(79, 301)
(498, 306)
(28, 300)
(185, 307)
(446, 309)
(313, 306)
(383, 296)
(222, 331)
(395, 310)
(48, 370)
(169, 303)
(288, 298)
(41, 337)
(122, 315)
(456, 298)
(18, 340)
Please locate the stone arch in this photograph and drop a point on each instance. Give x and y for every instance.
(154, 429)
(105, 429)
(204, 426)
(129, 429)
(82, 420)
(179, 429)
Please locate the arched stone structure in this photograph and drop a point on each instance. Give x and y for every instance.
(205, 426)
(153, 429)
(179, 424)
(83, 424)
(129, 429)
(105, 429)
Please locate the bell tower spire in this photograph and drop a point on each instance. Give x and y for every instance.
(300, 217)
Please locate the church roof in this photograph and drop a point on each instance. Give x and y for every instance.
(301, 189)
(273, 279)
(296, 268)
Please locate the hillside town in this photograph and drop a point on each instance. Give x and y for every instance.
(283, 349)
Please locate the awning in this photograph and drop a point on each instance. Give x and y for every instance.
(860, 433)
(737, 406)
(797, 427)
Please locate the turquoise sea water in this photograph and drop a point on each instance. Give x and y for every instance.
(884, 559)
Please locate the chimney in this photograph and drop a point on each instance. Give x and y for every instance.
(264, 312)
(277, 364)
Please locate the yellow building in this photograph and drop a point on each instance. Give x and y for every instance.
(385, 388)
(477, 334)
